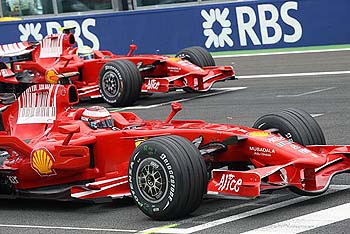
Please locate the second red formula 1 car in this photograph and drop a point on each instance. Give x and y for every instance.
(52, 151)
(119, 79)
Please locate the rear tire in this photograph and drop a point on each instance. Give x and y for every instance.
(296, 125)
(120, 83)
(167, 177)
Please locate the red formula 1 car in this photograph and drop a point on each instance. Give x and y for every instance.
(52, 151)
(119, 79)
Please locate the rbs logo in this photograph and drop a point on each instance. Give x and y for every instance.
(269, 26)
(80, 32)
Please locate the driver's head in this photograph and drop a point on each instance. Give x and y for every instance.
(97, 117)
(85, 52)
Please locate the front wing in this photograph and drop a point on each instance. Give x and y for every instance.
(304, 181)
(194, 81)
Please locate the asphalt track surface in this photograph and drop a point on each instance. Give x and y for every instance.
(325, 95)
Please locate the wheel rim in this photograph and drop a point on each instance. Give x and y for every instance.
(111, 84)
(152, 180)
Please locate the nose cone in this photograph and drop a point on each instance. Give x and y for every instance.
(272, 149)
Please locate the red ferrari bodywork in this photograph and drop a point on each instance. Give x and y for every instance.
(56, 57)
(50, 153)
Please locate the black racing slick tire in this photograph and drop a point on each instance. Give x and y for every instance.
(2, 88)
(120, 83)
(317, 135)
(167, 177)
(197, 55)
(296, 125)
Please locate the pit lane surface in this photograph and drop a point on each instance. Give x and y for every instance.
(324, 96)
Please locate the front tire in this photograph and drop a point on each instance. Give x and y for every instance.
(296, 125)
(167, 177)
(120, 83)
(197, 55)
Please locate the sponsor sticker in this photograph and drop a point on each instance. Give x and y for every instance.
(41, 160)
(174, 69)
(262, 151)
(4, 72)
(153, 84)
(51, 77)
(275, 139)
(138, 141)
(229, 182)
(13, 179)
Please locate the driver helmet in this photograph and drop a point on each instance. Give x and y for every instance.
(85, 52)
(97, 117)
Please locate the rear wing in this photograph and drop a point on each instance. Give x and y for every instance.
(56, 45)
(16, 49)
(39, 104)
(52, 46)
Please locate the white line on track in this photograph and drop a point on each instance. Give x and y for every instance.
(306, 222)
(334, 188)
(295, 74)
(306, 93)
(316, 115)
(252, 202)
(67, 228)
(219, 91)
(282, 53)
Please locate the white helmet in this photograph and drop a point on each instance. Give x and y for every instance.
(97, 117)
(85, 52)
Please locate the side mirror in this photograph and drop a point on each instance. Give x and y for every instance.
(64, 78)
(67, 58)
(175, 107)
(70, 130)
(133, 47)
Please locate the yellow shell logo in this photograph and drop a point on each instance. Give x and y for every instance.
(51, 77)
(42, 162)
(139, 141)
(259, 134)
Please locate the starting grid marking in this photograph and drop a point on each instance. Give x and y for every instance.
(291, 226)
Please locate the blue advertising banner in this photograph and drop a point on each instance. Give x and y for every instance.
(242, 25)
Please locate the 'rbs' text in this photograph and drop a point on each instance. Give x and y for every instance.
(267, 25)
(81, 32)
